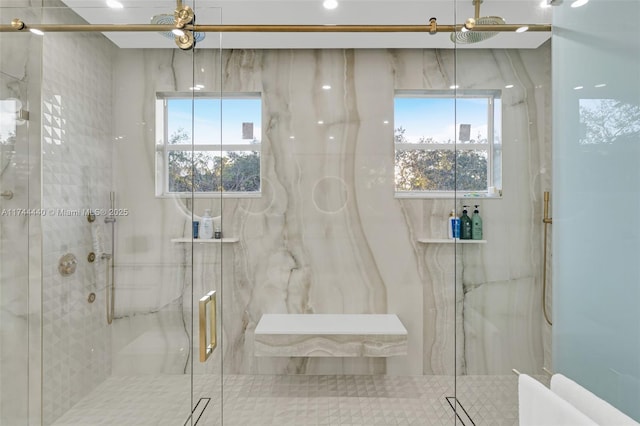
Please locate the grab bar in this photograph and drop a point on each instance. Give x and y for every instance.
(206, 349)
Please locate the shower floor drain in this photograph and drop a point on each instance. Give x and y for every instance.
(460, 411)
(197, 412)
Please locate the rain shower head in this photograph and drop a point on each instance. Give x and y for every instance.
(169, 19)
(468, 36)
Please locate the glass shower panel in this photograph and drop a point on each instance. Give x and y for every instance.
(15, 222)
(596, 321)
(503, 144)
(119, 339)
(327, 237)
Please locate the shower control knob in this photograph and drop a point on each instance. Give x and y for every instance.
(67, 264)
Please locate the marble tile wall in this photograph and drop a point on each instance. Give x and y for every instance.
(327, 234)
(77, 147)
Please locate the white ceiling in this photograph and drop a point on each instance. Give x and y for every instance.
(357, 12)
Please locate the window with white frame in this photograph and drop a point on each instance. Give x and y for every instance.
(208, 144)
(447, 143)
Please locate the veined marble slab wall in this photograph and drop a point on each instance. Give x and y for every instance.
(327, 234)
(20, 233)
(77, 145)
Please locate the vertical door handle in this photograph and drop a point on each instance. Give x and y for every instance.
(206, 348)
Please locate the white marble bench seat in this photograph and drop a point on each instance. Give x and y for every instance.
(330, 335)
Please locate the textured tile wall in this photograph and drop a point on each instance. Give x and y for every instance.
(76, 173)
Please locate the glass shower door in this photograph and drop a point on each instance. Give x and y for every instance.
(14, 251)
(121, 332)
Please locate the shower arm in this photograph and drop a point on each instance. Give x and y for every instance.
(17, 25)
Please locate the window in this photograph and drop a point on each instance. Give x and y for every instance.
(447, 142)
(194, 152)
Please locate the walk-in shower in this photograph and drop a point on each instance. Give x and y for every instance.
(329, 293)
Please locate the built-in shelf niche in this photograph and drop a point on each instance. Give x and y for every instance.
(205, 241)
(449, 241)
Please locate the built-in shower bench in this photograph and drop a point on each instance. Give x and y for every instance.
(330, 335)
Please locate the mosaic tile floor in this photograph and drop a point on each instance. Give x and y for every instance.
(261, 400)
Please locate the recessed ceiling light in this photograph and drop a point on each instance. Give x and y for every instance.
(600, 85)
(326, 87)
(453, 86)
(509, 86)
(177, 32)
(200, 86)
(385, 122)
(292, 137)
(330, 4)
(331, 137)
(579, 3)
(194, 88)
(114, 4)
(36, 31)
(578, 88)
(522, 29)
(320, 122)
(545, 4)
(464, 29)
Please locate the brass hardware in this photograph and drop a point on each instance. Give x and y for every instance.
(477, 4)
(7, 195)
(185, 41)
(91, 298)
(470, 24)
(91, 217)
(92, 257)
(547, 221)
(183, 15)
(17, 24)
(433, 26)
(546, 218)
(207, 349)
(275, 28)
(67, 264)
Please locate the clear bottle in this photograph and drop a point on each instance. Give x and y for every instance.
(465, 225)
(206, 225)
(453, 225)
(476, 225)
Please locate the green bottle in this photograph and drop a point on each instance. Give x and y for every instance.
(476, 225)
(465, 225)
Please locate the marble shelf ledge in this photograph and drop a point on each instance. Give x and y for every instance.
(205, 241)
(330, 335)
(449, 241)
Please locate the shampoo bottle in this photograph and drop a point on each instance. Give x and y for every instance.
(465, 225)
(476, 225)
(206, 225)
(453, 225)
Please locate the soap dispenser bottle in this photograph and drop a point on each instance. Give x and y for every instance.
(453, 225)
(476, 225)
(206, 225)
(465, 225)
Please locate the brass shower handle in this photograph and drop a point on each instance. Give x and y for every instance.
(546, 218)
(206, 348)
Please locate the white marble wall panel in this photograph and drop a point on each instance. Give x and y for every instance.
(327, 236)
(77, 145)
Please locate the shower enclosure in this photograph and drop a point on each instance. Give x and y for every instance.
(329, 169)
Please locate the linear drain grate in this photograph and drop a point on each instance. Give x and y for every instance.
(197, 412)
(460, 411)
